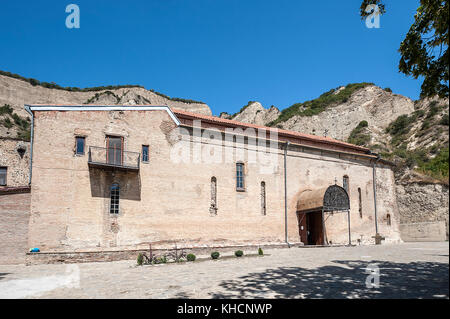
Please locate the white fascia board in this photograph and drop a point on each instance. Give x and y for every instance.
(103, 108)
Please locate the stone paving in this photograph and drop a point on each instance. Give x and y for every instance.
(409, 270)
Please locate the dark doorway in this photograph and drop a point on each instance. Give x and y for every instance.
(114, 152)
(311, 228)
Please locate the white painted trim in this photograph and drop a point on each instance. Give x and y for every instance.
(104, 108)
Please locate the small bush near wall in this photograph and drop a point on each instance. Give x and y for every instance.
(140, 259)
(260, 251)
(190, 257)
(238, 253)
(215, 255)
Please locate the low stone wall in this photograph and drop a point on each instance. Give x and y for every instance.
(426, 231)
(104, 256)
(14, 219)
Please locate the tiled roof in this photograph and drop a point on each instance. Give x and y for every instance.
(283, 132)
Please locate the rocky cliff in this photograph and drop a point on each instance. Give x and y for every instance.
(412, 134)
(15, 91)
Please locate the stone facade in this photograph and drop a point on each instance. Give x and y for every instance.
(167, 202)
(15, 156)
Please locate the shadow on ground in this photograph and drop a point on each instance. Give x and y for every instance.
(345, 280)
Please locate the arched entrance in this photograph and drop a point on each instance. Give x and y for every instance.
(312, 206)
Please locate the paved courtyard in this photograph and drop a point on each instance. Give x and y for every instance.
(409, 270)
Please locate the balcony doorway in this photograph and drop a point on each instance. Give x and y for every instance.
(114, 153)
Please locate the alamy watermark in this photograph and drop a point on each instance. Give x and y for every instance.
(373, 278)
(373, 19)
(73, 19)
(207, 145)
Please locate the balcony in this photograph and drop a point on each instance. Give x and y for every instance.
(113, 158)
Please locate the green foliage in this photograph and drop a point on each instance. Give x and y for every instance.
(10, 119)
(238, 253)
(401, 126)
(388, 90)
(444, 120)
(424, 51)
(160, 260)
(190, 257)
(140, 259)
(7, 123)
(438, 166)
(6, 109)
(215, 255)
(316, 106)
(24, 135)
(176, 99)
(358, 136)
(260, 251)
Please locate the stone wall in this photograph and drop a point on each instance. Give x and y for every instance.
(426, 231)
(423, 203)
(170, 201)
(16, 162)
(14, 218)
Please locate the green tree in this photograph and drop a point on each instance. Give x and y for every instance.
(424, 51)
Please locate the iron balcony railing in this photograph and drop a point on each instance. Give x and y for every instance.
(113, 158)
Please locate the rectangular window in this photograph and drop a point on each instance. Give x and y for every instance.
(80, 141)
(240, 176)
(3, 173)
(145, 153)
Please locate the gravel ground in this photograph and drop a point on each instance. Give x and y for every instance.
(409, 270)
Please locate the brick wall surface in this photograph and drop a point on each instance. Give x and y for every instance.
(14, 218)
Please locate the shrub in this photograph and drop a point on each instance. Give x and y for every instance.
(215, 255)
(388, 90)
(260, 251)
(6, 109)
(140, 259)
(190, 257)
(316, 106)
(238, 253)
(444, 120)
(161, 260)
(358, 136)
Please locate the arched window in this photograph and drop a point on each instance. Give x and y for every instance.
(345, 182)
(213, 205)
(388, 219)
(360, 202)
(240, 176)
(114, 195)
(263, 198)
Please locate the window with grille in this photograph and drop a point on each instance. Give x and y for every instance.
(3, 174)
(115, 194)
(240, 176)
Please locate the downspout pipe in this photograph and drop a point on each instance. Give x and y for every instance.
(28, 109)
(375, 192)
(285, 197)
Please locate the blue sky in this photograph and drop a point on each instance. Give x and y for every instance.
(222, 52)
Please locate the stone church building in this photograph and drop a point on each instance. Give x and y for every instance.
(116, 178)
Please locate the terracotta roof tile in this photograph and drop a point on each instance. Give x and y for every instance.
(219, 120)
